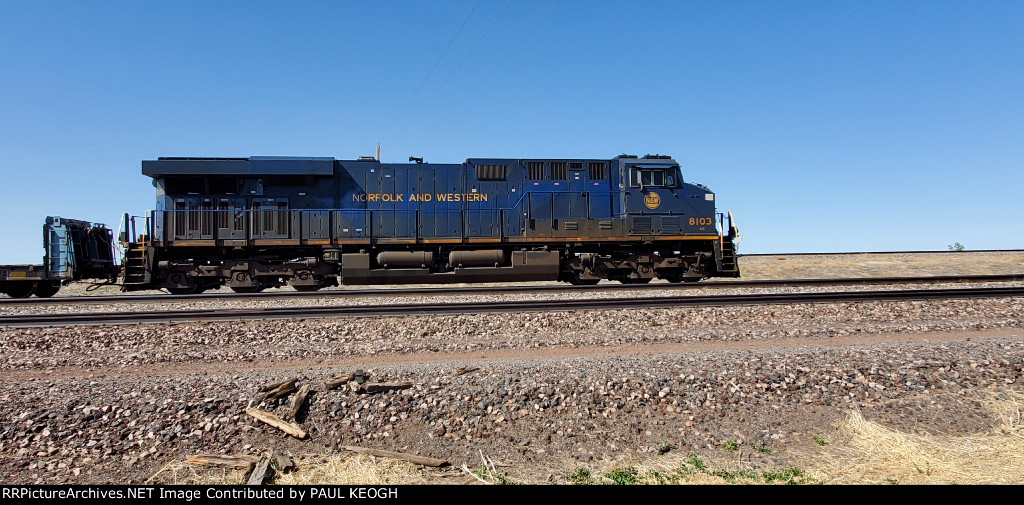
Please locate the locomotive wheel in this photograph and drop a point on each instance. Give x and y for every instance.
(692, 279)
(673, 278)
(642, 280)
(47, 289)
(306, 288)
(248, 289)
(20, 289)
(575, 280)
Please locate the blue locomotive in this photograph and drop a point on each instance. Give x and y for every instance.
(252, 223)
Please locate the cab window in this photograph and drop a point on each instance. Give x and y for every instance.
(654, 177)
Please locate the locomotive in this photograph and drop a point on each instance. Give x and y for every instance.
(310, 222)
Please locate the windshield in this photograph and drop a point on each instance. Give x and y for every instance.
(654, 177)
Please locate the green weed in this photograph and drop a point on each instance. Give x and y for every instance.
(696, 462)
(623, 476)
(580, 477)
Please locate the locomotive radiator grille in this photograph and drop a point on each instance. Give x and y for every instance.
(670, 225)
(641, 225)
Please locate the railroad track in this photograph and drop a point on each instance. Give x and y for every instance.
(490, 290)
(110, 318)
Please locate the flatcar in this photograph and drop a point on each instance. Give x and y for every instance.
(309, 222)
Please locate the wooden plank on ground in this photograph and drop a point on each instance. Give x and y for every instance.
(271, 387)
(289, 428)
(380, 387)
(284, 389)
(259, 474)
(297, 400)
(340, 380)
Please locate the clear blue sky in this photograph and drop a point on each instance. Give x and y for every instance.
(823, 125)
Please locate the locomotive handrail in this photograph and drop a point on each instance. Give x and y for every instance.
(720, 226)
(129, 229)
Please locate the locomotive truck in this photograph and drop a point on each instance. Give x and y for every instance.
(309, 222)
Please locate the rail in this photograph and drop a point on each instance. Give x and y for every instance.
(519, 306)
(519, 289)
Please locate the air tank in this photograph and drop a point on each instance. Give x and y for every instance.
(415, 259)
(477, 258)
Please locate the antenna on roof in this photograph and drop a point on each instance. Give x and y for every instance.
(378, 151)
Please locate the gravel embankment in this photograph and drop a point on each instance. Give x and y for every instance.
(575, 388)
(124, 346)
(541, 416)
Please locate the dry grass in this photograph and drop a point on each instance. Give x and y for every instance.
(351, 469)
(864, 452)
(859, 452)
(183, 474)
